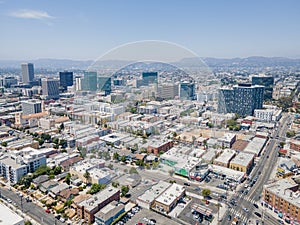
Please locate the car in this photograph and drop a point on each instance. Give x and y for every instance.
(62, 220)
(245, 209)
(255, 205)
(47, 210)
(186, 184)
(153, 220)
(229, 217)
(280, 221)
(197, 189)
(257, 214)
(10, 201)
(57, 217)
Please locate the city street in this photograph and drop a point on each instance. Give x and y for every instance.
(29, 208)
(265, 166)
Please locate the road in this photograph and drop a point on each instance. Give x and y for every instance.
(34, 211)
(265, 166)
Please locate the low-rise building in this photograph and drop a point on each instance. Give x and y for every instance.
(157, 146)
(256, 145)
(146, 199)
(87, 208)
(167, 201)
(284, 196)
(286, 168)
(9, 217)
(243, 162)
(109, 213)
(225, 158)
(227, 140)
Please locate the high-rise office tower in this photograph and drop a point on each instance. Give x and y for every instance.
(187, 90)
(90, 81)
(167, 91)
(104, 84)
(241, 99)
(267, 82)
(65, 79)
(27, 72)
(31, 107)
(78, 83)
(149, 78)
(50, 88)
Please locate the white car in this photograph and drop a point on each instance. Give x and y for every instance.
(245, 209)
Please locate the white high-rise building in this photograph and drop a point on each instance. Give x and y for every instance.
(50, 88)
(27, 72)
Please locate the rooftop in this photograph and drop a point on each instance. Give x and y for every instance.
(171, 194)
(243, 158)
(8, 217)
(92, 202)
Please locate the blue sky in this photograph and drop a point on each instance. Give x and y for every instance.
(77, 29)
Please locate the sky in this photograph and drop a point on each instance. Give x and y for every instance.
(77, 29)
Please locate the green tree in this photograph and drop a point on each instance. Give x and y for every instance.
(95, 188)
(115, 184)
(27, 222)
(116, 156)
(124, 190)
(123, 158)
(206, 192)
(4, 144)
(68, 179)
(133, 170)
(87, 176)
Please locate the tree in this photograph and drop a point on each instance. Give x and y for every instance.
(4, 144)
(123, 158)
(206, 192)
(87, 176)
(281, 144)
(116, 156)
(68, 179)
(133, 170)
(27, 222)
(139, 162)
(124, 190)
(115, 184)
(55, 141)
(95, 188)
(110, 166)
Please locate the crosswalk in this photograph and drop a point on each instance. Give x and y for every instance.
(240, 213)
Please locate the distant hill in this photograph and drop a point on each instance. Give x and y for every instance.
(67, 64)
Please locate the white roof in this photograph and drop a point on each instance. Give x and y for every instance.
(8, 217)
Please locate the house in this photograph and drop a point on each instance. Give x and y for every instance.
(39, 180)
(68, 194)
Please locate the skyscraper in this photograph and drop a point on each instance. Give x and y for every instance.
(27, 72)
(31, 107)
(89, 81)
(65, 79)
(149, 78)
(241, 99)
(267, 81)
(187, 90)
(50, 88)
(104, 84)
(167, 91)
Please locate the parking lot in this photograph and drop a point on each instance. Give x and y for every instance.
(188, 216)
(144, 216)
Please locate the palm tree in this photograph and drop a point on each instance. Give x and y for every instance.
(87, 176)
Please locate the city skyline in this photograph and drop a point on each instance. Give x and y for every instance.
(210, 29)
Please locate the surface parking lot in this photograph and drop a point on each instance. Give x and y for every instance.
(144, 215)
(188, 216)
